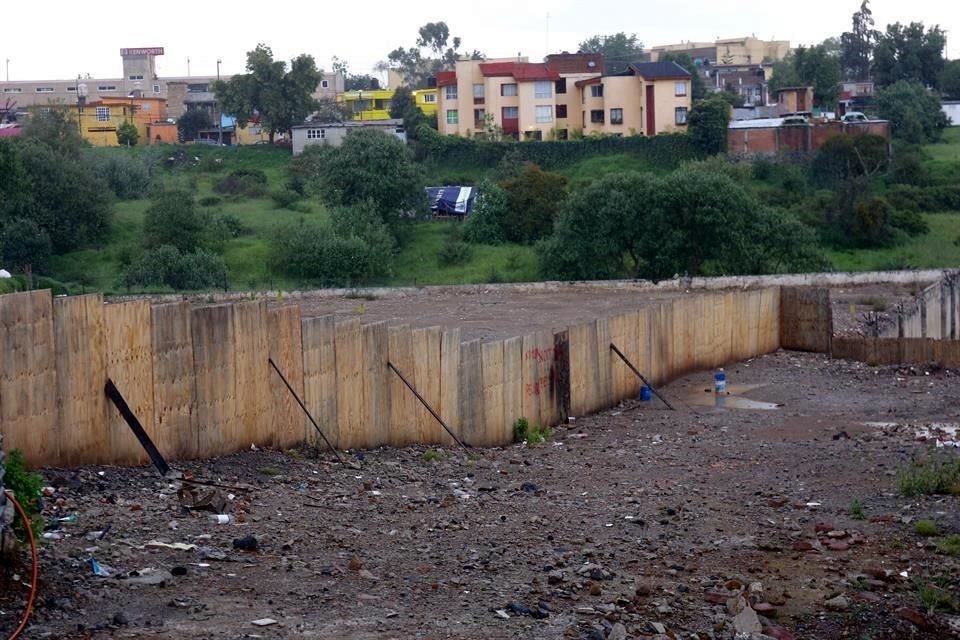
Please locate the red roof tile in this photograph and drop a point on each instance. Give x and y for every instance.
(446, 78)
(497, 69)
(534, 71)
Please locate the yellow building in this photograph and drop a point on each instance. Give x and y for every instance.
(426, 100)
(567, 95)
(367, 104)
(737, 51)
(98, 121)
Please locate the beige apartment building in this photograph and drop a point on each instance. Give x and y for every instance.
(568, 94)
(139, 78)
(732, 51)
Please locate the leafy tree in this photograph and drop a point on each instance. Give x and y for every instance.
(317, 251)
(24, 246)
(698, 90)
(57, 131)
(813, 66)
(618, 50)
(909, 53)
(174, 220)
(404, 107)
(856, 45)
(127, 134)
(363, 221)
(848, 157)
(352, 81)
(191, 123)
(486, 224)
(16, 190)
(442, 52)
(950, 79)
(534, 198)
(167, 266)
(707, 125)
(916, 115)
(281, 97)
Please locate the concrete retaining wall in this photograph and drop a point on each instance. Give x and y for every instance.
(934, 313)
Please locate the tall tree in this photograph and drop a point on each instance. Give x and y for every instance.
(950, 79)
(708, 122)
(618, 49)
(909, 53)
(856, 45)
(281, 97)
(915, 114)
(191, 123)
(814, 67)
(442, 52)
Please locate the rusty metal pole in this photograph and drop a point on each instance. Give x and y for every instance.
(427, 406)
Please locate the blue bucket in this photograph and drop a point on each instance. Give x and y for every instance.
(646, 393)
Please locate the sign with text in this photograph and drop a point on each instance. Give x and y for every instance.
(144, 51)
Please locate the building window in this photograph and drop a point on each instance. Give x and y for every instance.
(480, 117)
(44, 89)
(680, 115)
(596, 91)
(103, 114)
(107, 87)
(71, 89)
(544, 114)
(616, 116)
(452, 92)
(156, 88)
(324, 84)
(679, 88)
(596, 116)
(561, 111)
(511, 113)
(429, 98)
(543, 89)
(508, 90)
(561, 87)
(453, 116)
(478, 92)
(135, 77)
(316, 134)
(12, 90)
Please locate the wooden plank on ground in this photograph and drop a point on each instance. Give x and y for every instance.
(403, 404)
(473, 421)
(254, 424)
(376, 386)
(450, 384)
(81, 376)
(349, 346)
(512, 387)
(129, 361)
(493, 408)
(320, 377)
(174, 381)
(215, 361)
(426, 379)
(286, 348)
(29, 419)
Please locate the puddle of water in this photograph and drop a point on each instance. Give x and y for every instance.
(730, 400)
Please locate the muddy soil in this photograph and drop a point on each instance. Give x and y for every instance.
(637, 523)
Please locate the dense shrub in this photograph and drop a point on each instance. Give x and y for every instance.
(315, 252)
(166, 266)
(243, 182)
(910, 222)
(129, 176)
(173, 219)
(915, 114)
(24, 246)
(847, 157)
(283, 198)
(454, 250)
(534, 198)
(210, 201)
(908, 166)
(363, 221)
(928, 199)
(708, 122)
(486, 224)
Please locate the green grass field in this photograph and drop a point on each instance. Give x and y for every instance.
(937, 249)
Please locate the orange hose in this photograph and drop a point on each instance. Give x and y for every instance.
(33, 558)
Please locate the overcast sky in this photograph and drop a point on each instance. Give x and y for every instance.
(81, 38)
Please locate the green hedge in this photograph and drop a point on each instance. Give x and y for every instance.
(925, 199)
(667, 150)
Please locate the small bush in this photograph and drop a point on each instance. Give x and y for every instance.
(26, 486)
(485, 225)
(856, 510)
(128, 176)
(910, 222)
(251, 183)
(454, 250)
(431, 455)
(520, 429)
(935, 595)
(300, 207)
(234, 226)
(950, 545)
(934, 199)
(939, 476)
(283, 198)
(523, 432)
(926, 528)
(210, 201)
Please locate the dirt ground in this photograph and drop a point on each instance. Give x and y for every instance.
(863, 311)
(637, 523)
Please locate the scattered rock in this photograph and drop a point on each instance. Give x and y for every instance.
(840, 603)
(120, 619)
(246, 543)
(618, 632)
(179, 571)
(916, 618)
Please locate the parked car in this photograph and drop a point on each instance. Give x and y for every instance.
(854, 116)
(795, 120)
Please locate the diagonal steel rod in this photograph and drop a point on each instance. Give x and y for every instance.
(304, 407)
(118, 401)
(427, 406)
(613, 348)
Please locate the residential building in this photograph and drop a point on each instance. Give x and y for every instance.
(334, 133)
(427, 100)
(731, 51)
(99, 120)
(750, 81)
(795, 100)
(855, 95)
(367, 104)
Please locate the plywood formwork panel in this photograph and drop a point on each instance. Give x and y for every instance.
(584, 369)
(174, 381)
(129, 361)
(604, 397)
(533, 386)
(320, 376)
(560, 377)
(254, 424)
(29, 418)
(403, 404)
(81, 376)
(495, 431)
(215, 361)
(624, 332)
(644, 360)
(450, 383)
(375, 414)
(426, 379)
(473, 420)
(349, 346)
(286, 348)
(512, 386)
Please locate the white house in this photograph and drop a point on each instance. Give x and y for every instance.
(333, 133)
